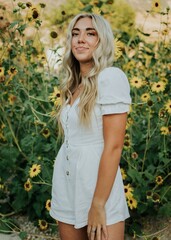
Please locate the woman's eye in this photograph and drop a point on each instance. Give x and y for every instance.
(91, 34)
(74, 34)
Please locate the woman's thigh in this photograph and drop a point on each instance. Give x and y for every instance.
(116, 231)
(68, 232)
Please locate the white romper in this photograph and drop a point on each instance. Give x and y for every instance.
(76, 165)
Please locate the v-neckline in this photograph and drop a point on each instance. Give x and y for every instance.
(71, 105)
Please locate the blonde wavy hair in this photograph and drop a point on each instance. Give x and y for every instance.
(103, 57)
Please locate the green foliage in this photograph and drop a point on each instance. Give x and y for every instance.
(28, 133)
(118, 12)
(28, 96)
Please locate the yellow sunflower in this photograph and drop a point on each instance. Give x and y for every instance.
(127, 142)
(156, 197)
(12, 98)
(34, 170)
(129, 122)
(164, 130)
(55, 97)
(12, 71)
(48, 205)
(2, 186)
(123, 174)
(168, 106)
(165, 80)
(46, 132)
(130, 65)
(42, 58)
(118, 45)
(96, 10)
(132, 202)
(134, 155)
(158, 86)
(156, 6)
(128, 191)
(159, 180)
(145, 97)
(43, 224)
(94, 2)
(136, 82)
(162, 113)
(149, 194)
(27, 185)
(1, 71)
(33, 13)
(165, 32)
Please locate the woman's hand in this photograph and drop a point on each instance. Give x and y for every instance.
(97, 223)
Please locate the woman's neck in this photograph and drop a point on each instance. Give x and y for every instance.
(85, 68)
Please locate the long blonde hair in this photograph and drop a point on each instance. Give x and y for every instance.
(102, 58)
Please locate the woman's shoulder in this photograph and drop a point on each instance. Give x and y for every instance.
(110, 72)
(112, 76)
(113, 86)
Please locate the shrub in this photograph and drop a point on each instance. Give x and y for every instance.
(29, 97)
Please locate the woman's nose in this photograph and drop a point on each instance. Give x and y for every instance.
(81, 38)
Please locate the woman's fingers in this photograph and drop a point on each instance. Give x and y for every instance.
(91, 232)
(104, 232)
(98, 233)
(95, 233)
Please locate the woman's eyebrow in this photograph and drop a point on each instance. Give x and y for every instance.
(87, 29)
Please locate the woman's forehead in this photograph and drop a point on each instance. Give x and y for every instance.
(83, 22)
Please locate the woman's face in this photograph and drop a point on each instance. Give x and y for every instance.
(84, 40)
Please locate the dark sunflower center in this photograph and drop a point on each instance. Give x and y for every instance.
(12, 70)
(35, 14)
(126, 143)
(43, 223)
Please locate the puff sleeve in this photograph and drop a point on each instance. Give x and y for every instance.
(113, 91)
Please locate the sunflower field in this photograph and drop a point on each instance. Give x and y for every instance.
(29, 97)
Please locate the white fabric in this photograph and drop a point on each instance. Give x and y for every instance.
(76, 165)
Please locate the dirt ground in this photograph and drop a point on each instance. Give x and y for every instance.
(154, 229)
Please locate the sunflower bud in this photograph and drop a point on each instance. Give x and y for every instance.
(53, 34)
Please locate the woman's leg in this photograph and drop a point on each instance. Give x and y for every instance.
(68, 232)
(116, 231)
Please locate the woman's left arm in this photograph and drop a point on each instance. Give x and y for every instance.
(114, 131)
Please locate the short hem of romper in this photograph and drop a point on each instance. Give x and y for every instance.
(83, 224)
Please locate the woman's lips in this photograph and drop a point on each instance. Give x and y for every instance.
(81, 48)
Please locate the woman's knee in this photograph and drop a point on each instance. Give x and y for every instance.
(116, 231)
(68, 232)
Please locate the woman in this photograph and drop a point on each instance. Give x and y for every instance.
(87, 194)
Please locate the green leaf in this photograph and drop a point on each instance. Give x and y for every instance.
(164, 211)
(22, 28)
(14, 24)
(23, 235)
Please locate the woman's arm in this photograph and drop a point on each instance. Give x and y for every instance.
(114, 131)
